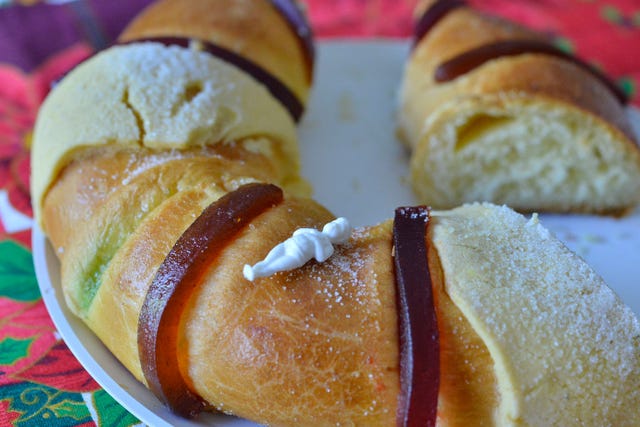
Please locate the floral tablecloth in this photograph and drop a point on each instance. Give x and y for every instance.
(41, 383)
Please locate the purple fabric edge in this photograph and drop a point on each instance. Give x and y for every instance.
(31, 34)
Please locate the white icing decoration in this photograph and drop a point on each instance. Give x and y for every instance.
(302, 246)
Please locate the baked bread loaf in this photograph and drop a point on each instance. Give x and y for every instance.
(492, 112)
(257, 31)
(162, 190)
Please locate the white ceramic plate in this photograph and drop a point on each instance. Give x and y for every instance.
(358, 169)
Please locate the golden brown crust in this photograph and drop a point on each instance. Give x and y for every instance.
(97, 176)
(468, 391)
(318, 325)
(478, 137)
(115, 309)
(330, 324)
(535, 74)
(253, 29)
(315, 346)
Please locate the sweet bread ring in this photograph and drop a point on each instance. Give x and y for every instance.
(526, 330)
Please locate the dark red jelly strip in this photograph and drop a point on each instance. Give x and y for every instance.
(467, 61)
(300, 26)
(278, 89)
(432, 16)
(418, 326)
(175, 282)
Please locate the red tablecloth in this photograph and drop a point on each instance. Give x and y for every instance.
(41, 383)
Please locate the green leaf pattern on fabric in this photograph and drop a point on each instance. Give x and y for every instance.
(40, 405)
(69, 409)
(110, 413)
(12, 350)
(17, 276)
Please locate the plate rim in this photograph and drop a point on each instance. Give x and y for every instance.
(156, 414)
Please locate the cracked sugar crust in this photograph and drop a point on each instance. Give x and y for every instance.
(565, 347)
(159, 97)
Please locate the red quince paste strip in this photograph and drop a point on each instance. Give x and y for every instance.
(418, 326)
(469, 60)
(278, 89)
(178, 277)
(300, 26)
(432, 16)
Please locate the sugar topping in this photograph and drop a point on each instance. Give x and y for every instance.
(556, 332)
(302, 246)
